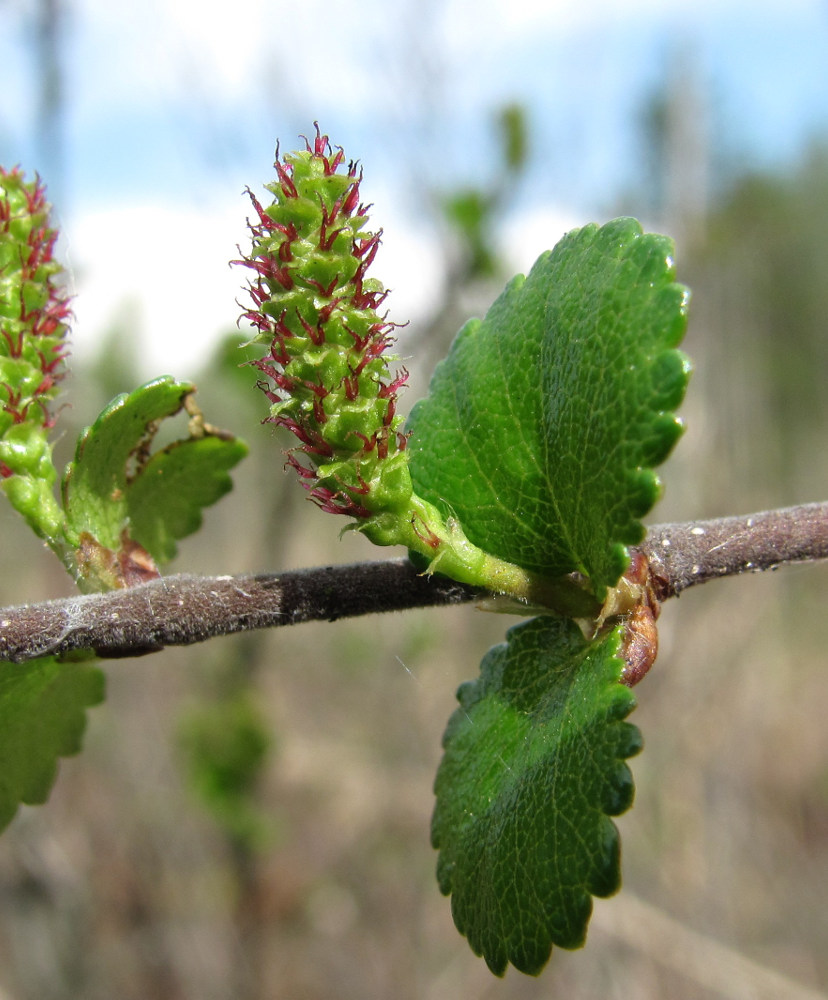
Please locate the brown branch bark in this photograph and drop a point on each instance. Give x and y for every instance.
(181, 610)
(688, 554)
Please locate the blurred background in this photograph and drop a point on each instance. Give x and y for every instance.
(249, 819)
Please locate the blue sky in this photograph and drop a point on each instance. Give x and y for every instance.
(172, 106)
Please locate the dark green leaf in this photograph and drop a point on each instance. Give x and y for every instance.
(543, 424)
(42, 718)
(533, 767)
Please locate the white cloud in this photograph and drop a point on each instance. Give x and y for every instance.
(165, 269)
(167, 265)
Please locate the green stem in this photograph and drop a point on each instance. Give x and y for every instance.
(447, 550)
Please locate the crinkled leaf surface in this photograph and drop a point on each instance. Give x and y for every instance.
(116, 481)
(542, 425)
(533, 768)
(42, 718)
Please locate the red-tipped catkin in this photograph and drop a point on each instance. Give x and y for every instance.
(327, 371)
(34, 308)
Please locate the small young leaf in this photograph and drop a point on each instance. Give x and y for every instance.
(111, 453)
(115, 483)
(166, 500)
(543, 424)
(42, 717)
(533, 768)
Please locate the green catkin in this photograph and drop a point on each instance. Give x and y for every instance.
(34, 310)
(327, 370)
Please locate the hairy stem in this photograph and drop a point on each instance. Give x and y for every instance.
(182, 610)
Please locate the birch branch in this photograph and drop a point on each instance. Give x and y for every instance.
(183, 609)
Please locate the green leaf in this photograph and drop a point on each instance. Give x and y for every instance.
(111, 453)
(42, 717)
(542, 425)
(166, 500)
(117, 483)
(533, 767)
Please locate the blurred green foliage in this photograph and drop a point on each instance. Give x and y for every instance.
(225, 744)
(473, 212)
(759, 334)
(770, 237)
